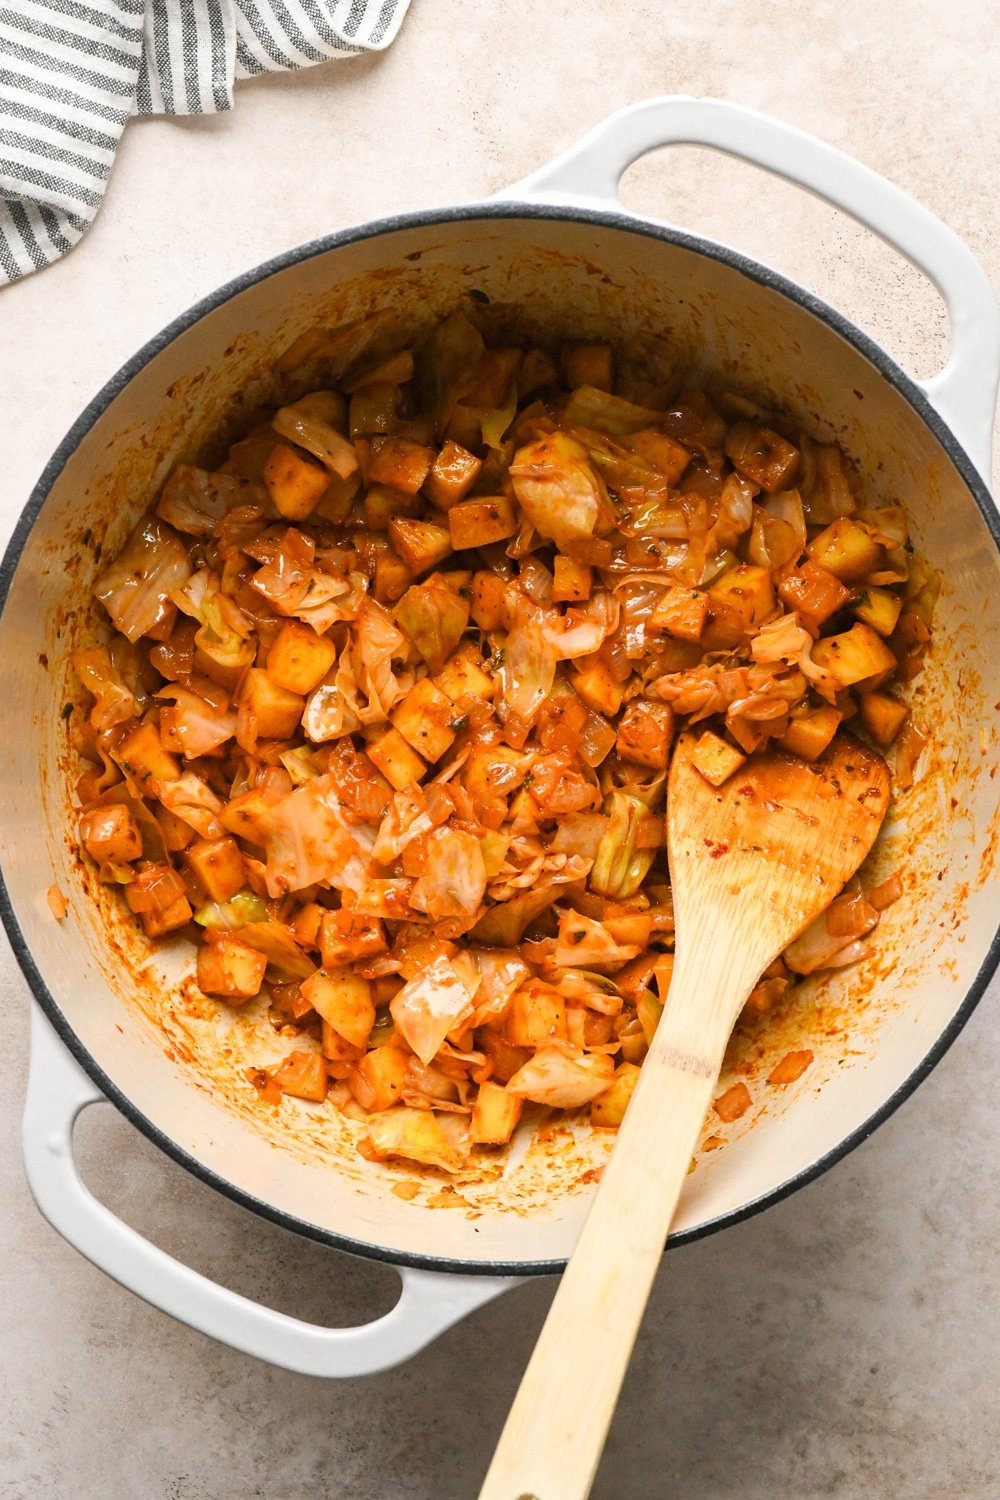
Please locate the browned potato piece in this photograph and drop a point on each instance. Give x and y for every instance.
(304, 1076)
(266, 710)
(380, 1077)
(424, 719)
(399, 462)
(847, 550)
(218, 867)
(853, 656)
(476, 523)
(399, 763)
(537, 1015)
(883, 716)
(299, 659)
(229, 969)
(452, 475)
(488, 608)
(599, 689)
(572, 581)
(715, 758)
(681, 613)
(494, 1115)
(294, 482)
(420, 544)
(382, 502)
(808, 734)
(740, 600)
(644, 733)
(814, 593)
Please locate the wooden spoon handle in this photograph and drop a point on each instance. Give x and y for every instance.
(552, 1441)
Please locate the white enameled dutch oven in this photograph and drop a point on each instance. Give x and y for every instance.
(112, 1022)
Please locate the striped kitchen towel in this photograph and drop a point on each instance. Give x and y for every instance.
(73, 71)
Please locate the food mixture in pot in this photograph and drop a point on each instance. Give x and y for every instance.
(385, 713)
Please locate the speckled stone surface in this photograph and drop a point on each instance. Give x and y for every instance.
(846, 1343)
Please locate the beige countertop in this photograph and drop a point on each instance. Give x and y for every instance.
(847, 1342)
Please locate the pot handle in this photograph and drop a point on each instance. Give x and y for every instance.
(58, 1090)
(587, 176)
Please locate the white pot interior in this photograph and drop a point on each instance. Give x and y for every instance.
(181, 1061)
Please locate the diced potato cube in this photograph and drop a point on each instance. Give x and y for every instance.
(299, 659)
(599, 688)
(762, 456)
(715, 758)
(853, 656)
(217, 865)
(229, 969)
(158, 921)
(392, 578)
(111, 833)
(814, 593)
(494, 373)
(588, 364)
(142, 754)
(345, 938)
(608, 1109)
(477, 523)
(434, 617)
(336, 1050)
(644, 733)
(380, 1077)
(265, 710)
(424, 719)
(463, 677)
(883, 716)
(304, 1076)
(879, 608)
(398, 462)
(240, 815)
(335, 503)
(305, 924)
(294, 482)
(572, 581)
(847, 550)
(681, 613)
(494, 1115)
(345, 1003)
(400, 765)
(489, 609)
(669, 457)
(740, 600)
(374, 409)
(809, 734)
(452, 475)
(176, 833)
(537, 1014)
(382, 503)
(420, 544)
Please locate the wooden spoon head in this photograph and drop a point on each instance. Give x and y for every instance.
(761, 856)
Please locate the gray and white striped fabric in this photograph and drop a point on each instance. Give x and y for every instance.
(73, 71)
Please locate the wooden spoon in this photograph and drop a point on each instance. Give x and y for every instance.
(752, 863)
